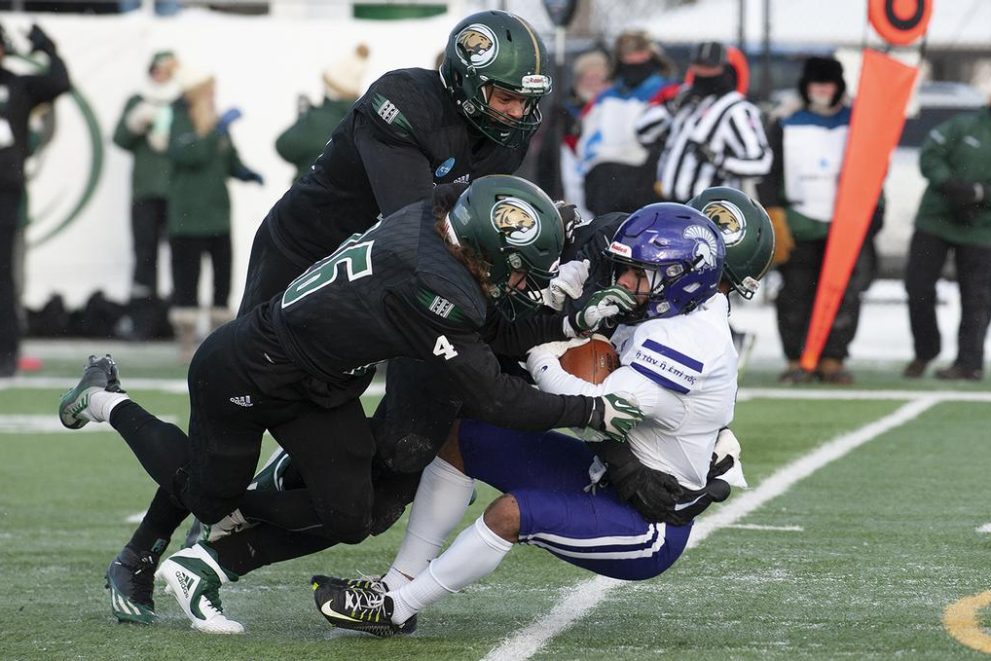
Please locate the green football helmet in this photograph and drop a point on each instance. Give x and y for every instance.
(747, 233)
(511, 225)
(501, 49)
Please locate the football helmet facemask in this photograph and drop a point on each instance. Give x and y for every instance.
(681, 253)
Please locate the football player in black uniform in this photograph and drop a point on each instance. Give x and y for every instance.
(415, 285)
(413, 129)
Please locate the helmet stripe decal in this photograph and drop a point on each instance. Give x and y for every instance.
(536, 44)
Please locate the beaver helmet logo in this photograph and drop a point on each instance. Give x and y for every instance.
(516, 220)
(478, 44)
(730, 220)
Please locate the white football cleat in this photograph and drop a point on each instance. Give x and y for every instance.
(194, 577)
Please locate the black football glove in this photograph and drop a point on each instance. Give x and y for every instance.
(653, 493)
(715, 490)
(40, 41)
(571, 218)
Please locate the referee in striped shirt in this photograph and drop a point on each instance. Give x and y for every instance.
(712, 135)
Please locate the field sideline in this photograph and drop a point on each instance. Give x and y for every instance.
(860, 537)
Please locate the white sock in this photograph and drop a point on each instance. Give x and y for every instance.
(394, 579)
(475, 554)
(102, 403)
(441, 500)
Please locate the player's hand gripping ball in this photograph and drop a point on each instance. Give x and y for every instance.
(592, 361)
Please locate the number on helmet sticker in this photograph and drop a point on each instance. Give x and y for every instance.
(443, 347)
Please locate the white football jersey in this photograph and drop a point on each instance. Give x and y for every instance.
(682, 372)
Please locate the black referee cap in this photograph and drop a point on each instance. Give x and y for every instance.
(709, 54)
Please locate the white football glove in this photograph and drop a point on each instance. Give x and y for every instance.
(556, 349)
(727, 445)
(569, 283)
(602, 306)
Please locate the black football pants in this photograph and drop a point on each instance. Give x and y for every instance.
(209, 471)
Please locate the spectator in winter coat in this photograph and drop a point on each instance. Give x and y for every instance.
(143, 130)
(199, 207)
(618, 171)
(301, 143)
(954, 215)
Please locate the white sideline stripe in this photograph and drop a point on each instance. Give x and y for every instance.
(50, 424)
(583, 597)
(985, 528)
(798, 393)
(136, 518)
(754, 526)
(175, 386)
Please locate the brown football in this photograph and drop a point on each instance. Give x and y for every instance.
(592, 361)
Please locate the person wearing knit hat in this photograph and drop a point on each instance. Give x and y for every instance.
(301, 143)
(142, 130)
(800, 193)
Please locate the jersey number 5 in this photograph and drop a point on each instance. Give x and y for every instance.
(356, 259)
(443, 347)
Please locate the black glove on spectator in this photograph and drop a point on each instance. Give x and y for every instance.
(652, 492)
(40, 41)
(963, 193)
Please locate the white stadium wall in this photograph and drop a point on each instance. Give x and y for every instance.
(261, 66)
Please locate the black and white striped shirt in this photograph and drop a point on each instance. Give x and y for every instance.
(715, 141)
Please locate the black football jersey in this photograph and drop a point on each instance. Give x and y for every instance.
(402, 137)
(396, 291)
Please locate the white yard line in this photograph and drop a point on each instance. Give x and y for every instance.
(175, 386)
(754, 526)
(49, 424)
(985, 528)
(583, 597)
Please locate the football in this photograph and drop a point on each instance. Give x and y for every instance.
(592, 361)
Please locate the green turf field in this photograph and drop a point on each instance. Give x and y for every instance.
(859, 531)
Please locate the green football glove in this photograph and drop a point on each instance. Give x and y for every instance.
(601, 307)
(615, 416)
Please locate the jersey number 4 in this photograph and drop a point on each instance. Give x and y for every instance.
(443, 347)
(356, 258)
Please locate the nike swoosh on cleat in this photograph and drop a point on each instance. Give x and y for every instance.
(330, 612)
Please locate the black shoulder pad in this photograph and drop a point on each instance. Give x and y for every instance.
(397, 104)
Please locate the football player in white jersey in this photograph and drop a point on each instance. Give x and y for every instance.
(678, 364)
